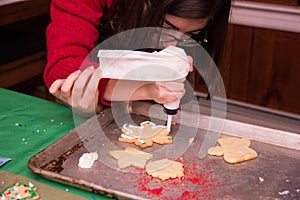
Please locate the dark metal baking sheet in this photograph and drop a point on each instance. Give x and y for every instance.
(274, 174)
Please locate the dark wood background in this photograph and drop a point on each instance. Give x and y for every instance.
(262, 67)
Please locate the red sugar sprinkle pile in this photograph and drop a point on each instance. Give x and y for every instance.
(198, 183)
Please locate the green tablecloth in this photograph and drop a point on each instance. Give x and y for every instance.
(27, 126)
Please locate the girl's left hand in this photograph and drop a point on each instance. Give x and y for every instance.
(79, 90)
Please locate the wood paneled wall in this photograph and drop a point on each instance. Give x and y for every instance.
(262, 67)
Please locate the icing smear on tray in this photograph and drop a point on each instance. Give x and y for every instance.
(87, 160)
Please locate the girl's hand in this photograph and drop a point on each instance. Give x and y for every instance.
(165, 92)
(79, 90)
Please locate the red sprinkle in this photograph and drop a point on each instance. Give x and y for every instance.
(198, 183)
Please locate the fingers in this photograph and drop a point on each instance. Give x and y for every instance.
(85, 92)
(91, 91)
(55, 87)
(62, 88)
(66, 88)
(94, 81)
(68, 84)
(81, 83)
(79, 90)
(169, 91)
(191, 63)
(163, 97)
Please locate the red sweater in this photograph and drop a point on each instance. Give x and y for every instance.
(71, 35)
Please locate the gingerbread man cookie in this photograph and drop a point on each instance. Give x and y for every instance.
(145, 134)
(233, 150)
(20, 191)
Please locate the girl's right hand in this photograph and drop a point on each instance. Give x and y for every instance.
(165, 92)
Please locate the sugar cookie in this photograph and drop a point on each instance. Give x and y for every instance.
(131, 156)
(20, 191)
(145, 134)
(165, 169)
(233, 150)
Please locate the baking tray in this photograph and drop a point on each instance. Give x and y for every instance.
(274, 174)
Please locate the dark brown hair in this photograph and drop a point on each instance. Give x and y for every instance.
(151, 13)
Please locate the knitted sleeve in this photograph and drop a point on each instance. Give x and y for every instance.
(71, 36)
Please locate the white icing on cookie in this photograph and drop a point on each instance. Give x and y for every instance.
(133, 137)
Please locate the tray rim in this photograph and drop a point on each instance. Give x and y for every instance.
(277, 137)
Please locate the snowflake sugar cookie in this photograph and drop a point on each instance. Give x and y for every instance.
(145, 134)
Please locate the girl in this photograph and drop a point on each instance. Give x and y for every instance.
(78, 25)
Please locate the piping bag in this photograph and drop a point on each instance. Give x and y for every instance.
(169, 64)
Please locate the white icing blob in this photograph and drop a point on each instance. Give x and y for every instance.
(87, 160)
